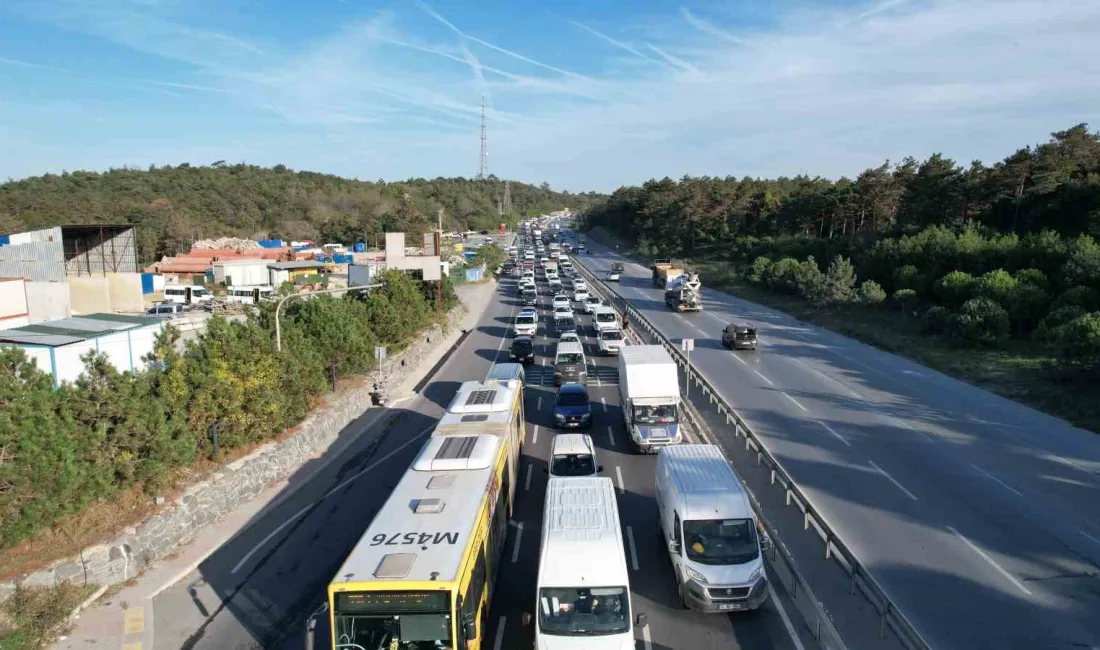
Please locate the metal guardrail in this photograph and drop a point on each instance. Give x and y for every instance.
(812, 609)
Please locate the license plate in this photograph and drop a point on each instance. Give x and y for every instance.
(728, 607)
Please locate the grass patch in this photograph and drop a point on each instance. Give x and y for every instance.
(35, 616)
(1017, 370)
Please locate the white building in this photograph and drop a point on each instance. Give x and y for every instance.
(234, 273)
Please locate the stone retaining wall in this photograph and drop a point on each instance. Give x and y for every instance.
(176, 522)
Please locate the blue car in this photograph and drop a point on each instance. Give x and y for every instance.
(572, 409)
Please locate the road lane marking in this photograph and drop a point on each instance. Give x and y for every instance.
(515, 546)
(647, 643)
(500, 633)
(832, 431)
(998, 567)
(134, 621)
(527, 481)
(539, 407)
(603, 403)
(795, 402)
(535, 434)
(893, 480)
(619, 475)
(786, 619)
(761, 375)
(994, 478)
(611, 435)
(263, 542)
(739, 359)
(633, 550)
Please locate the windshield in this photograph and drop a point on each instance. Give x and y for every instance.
(572, 465)
(368, 621)
(200, 292)
(663, 414)
(565, 324)
(611, 335)
(584, 612)
(522, 346)
(605, 317)
(525, 320)
(572, 399)
(721, 541)
(568, 357)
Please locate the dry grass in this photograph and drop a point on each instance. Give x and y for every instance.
(35, 616)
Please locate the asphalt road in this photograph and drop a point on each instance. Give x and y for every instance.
(980, 517)
(258, 590)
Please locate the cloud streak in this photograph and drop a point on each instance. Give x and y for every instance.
(621, 45)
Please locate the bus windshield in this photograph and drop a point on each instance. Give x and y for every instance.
(377, 620)
(566, 611)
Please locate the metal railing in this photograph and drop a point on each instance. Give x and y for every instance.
(816, 616)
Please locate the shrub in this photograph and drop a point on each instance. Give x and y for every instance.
(938, 320)
(905, 298)
(783, 275)
(996, 285)
(1047, 331)
(840, 281)
(1033, 278)
(1027, 304)
(907, 277)
(1083, 266)
(870, 293)
(983, 321)
(1085, 297)
(955, 288)
(759, 271)
(1078, 341)
(811, 281)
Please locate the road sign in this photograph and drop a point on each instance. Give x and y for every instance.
(687, 345)
(380, 352)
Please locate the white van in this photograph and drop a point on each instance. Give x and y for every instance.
(583, 597)
(187, 294)
(604, 318)
(250, 295)
(710, 531)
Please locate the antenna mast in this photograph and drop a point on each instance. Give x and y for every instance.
(483, 172)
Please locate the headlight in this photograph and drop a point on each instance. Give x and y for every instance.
(695, 575)
(559, 417)
(586, 416)
(757, 573)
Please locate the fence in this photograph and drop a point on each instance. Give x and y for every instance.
(783, 564)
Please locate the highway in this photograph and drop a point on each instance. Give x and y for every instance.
(258, 589)
(979, 516)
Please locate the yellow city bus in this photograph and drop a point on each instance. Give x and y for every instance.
(421, 577)
(493, 407)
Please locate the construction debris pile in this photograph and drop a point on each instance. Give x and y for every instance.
(232, 243)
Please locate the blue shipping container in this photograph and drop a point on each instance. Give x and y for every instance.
(271, 243)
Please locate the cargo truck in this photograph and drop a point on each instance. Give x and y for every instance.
(649, 392)
(684, 292)
(663, 270)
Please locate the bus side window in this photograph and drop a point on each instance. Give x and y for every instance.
(471, 601)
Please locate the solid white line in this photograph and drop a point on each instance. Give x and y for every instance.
(998, 567)
(830, 430)
(527, 481)
(786, 619)
(892, 480)
(265, 540)
(611, 435)
(500, 633)
(535, 434)
(646, 642)
(733, 353)
(619, 475)
(633, 550)
(794, 401)
(377, 462)
(515, 547)
(994, 478)
(539, 407)
(760, 375)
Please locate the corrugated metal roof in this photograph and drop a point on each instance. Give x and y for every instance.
(75, 329)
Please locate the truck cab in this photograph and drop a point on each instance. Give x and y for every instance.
(649, 392)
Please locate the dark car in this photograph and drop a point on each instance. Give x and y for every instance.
(565, 324)
(739, 336)
(572, 408)
(523, 349)
(530, 297)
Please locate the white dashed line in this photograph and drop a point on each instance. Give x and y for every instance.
(527, 481)
(833, 431)
(535, 434)
(795, 402)
(646, 642)
(539, 407)
(999, 481)
(619, 475)
(760, 375)
(738, 358)
(998, 567)
(786, 619)
(611, 435)
(515, 546)
(500, 633)
(603, 403)
(633, 550)
(892, 480)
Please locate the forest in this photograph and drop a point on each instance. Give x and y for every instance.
(984, 255)
(174, 206)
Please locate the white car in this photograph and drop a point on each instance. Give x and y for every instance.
(562, 312)
(561, 301)
(613, 276)
(579, 284)
(591, 303)
(610, 340)
(580, 295)
(572, 454)
(527, 324)
(530, 257)
(604, 318)
(569, 337)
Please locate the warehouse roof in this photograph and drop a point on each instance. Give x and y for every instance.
(74, 330)
(301, 264)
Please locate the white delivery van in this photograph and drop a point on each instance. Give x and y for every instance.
(604, 318)
(187, 294)
(649, 392)
(710, 531)
(583, 597)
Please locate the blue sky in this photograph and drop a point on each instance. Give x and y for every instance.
(587, 95)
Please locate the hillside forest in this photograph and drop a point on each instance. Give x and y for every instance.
(984, 255)
(174, 206)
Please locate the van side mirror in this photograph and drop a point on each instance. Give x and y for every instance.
(545, 470)
(525, 620)
(765, 544)
(641, 620)
(673, 547)
(471, 630)
(599, 469)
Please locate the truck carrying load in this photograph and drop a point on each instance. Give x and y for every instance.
(618, 267)
(649, 390)
(684, 292)
(658, 265)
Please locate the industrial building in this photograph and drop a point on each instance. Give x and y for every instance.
(294, 272)
(246, 272)
(14, 311)
(56, 347)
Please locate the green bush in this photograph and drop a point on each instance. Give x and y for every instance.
(955, 288)
(905, 298)
(1027, 305)
(982, 321)
(840, 281)
(783, 275)
(1047, 331)
(870, 293)
(996, 285)
(759, 271)
(907, 277)
(1085, 297)
(938, 320)
(1033, 277)
(811, 281)
(1083, 266)
(1078, 341)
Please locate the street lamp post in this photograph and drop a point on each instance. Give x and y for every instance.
(279, 307)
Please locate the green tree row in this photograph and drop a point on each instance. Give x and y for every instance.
(173, 206)
(87, 441)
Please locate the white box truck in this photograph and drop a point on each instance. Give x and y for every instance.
(710, 530)
(583, 597)
(649, 392)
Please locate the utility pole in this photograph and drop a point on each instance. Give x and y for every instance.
(483, 171)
